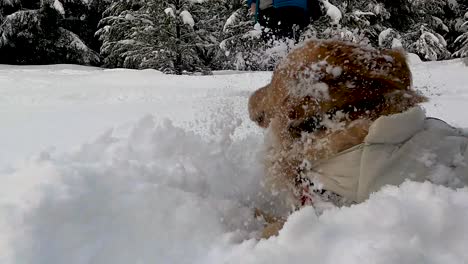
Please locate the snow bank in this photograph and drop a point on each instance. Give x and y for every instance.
(183, 191)
(161, 195)
(413, 58)
(166, 195)
(416, 223)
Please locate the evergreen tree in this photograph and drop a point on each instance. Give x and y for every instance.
(82, 18)
(210, 18)
(460, 45)
(428, 44)
(174, 36)
(247, 45)
(8, 7)
(35, 37)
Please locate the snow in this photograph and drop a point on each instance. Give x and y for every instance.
(332, 11)
(396, 43)
(9, 27)
(413, 58)
(129, 17)
(231, 20)
(124, 166)
(59, 7)
(187, 18)
(362, 13)
(383, 35)
(169, 11)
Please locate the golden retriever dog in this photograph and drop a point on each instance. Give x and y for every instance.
(321, 100)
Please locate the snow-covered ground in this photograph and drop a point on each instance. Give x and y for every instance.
(121, 166)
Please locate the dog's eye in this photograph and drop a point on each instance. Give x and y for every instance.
(260, 118)
(308, 125)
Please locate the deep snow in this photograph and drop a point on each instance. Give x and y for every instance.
(121, 166)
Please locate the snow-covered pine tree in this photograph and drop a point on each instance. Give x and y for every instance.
(35, 37)
(8, 7)
(428, 44)
(82, 18)
(177, 38)
(460, 45)
(240, 41)
(157, 34)
(244, 44)
(210, 16)
(344, 20)
(390, 38)
(126, 28)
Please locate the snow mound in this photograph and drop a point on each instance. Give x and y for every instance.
(166, 195)
(183, 192)
(413, 58)
(416, 223)
(162, 195)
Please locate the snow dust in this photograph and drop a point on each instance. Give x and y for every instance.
(122, 166)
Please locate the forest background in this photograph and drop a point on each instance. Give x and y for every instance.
(201, 36)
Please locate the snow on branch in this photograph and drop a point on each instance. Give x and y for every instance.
(59, 7)
(233, 18)
(169, 11)
(187, 18)
(333, 12)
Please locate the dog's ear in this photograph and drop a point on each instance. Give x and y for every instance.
(258, 107)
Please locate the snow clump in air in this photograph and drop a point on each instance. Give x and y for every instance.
(333, 12)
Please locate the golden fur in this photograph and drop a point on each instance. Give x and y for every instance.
(322, 99)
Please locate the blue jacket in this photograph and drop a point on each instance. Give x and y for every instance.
(283, 3)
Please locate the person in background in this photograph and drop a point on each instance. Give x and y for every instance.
(284, 18)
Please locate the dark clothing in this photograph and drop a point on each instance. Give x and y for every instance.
(283, 22)
(285, 18)
(284, 3)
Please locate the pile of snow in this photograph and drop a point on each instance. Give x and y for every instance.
(160, 195)
(413, 58)
(179, 184)
(416, 223)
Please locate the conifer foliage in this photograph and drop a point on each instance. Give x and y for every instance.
(199, 36)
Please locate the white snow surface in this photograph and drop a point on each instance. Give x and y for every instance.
(124, 166)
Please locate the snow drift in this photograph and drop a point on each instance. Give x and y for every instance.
(168, 189)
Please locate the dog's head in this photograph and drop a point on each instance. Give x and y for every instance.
(324, 77)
